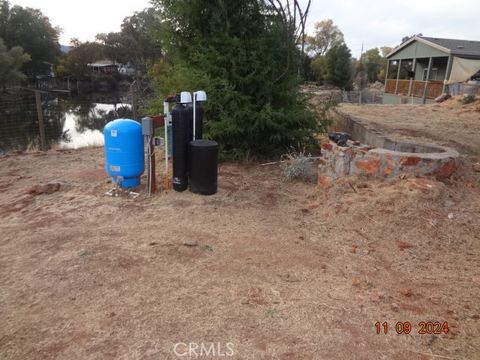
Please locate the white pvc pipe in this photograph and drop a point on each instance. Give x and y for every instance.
(166, 112)
(194, 113)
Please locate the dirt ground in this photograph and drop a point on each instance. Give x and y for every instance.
(450, 123)
(267, 268)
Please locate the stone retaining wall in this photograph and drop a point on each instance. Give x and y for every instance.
(381, 156)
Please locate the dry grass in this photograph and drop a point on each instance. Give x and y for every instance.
(281, 270)
(450, 123)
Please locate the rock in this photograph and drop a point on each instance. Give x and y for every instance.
(325, 182)
(356, 281)
(476, 167)
(292, 278)
(46, 189)
(446, 170)
(404, 245)
(442, 98)
(190, 243)
(449, 203)
(410, 160)
(368, 166)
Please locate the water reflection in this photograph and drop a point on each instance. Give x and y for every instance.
(84, 123)
(70, 123)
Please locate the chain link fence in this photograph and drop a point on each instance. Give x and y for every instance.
(365, 96)
(462, 89)
(40, 120)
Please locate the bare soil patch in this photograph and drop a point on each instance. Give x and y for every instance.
(450, 123)
(281, 270)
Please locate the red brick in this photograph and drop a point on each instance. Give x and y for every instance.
(366, 148)
(328, 147)
(446, 170)
(324, 181)
(387, 171)
(369, 167)
(410, 160)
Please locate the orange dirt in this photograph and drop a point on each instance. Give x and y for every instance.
(280, 270)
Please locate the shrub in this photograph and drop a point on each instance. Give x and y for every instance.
(297, 165)
(468, 99)
(247, 60)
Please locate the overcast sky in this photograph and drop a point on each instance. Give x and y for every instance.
(374, 23)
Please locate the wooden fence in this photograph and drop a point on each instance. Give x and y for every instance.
(414, 88)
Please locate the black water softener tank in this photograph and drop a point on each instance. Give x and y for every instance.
(182, 117)
(203, 172)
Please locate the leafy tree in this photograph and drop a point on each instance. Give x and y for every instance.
(326, 36)
(245, 56)
(373, 63)
(138, 41)
(11, 61)
(385, 50)
(81, 54)
(114, 47)
(30, 29)
(141, 32)
(338, 70)
(318, 68)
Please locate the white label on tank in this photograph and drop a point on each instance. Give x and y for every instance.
(114, 168)
(113, 133)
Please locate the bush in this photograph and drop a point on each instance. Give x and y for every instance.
(468, 99)
(297, 165)
(246, 59)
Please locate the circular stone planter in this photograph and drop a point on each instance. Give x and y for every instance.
(381, 156)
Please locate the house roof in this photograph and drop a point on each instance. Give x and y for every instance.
(465, 48)
(102, 63)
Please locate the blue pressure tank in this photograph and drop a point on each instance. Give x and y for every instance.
(124, 152)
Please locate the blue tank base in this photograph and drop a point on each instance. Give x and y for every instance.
(127, 183)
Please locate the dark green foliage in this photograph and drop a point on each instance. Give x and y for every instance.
(468, 99)
(11, 61)
(246, 59)
(81, 54)
(338, 70)
(31, 30)
(372, 63)
(138, 41)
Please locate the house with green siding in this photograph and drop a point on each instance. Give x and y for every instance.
(422, 68)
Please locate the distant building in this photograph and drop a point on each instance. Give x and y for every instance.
(103, 67)
(127, 69)
(421, 68)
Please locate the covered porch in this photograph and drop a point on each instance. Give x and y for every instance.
(422, 78)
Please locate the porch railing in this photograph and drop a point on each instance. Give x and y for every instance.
(414, 88)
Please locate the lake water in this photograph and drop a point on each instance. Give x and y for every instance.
(75, 136)
(70, 123)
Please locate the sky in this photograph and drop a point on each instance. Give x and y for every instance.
(371, 23)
